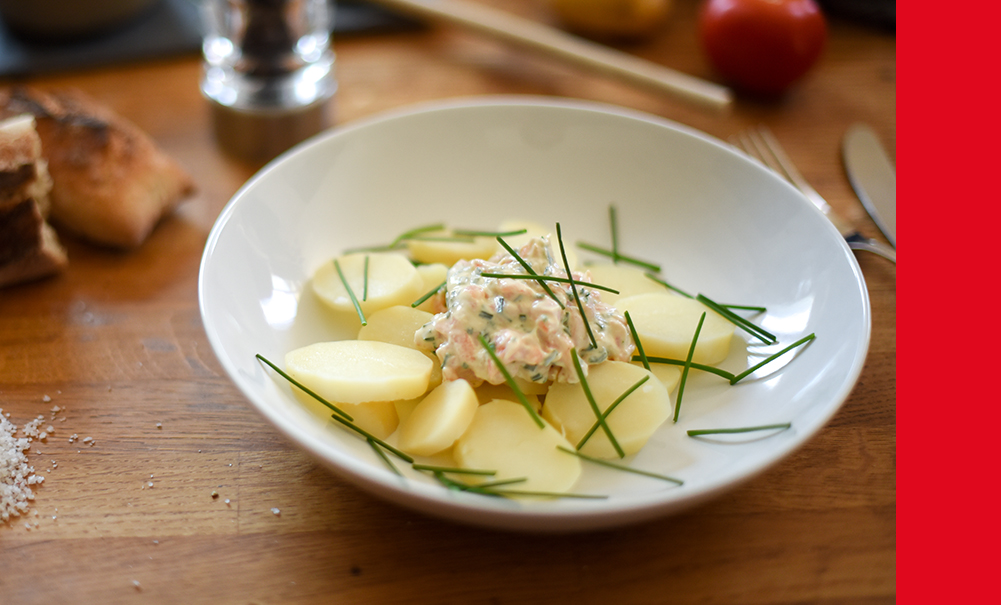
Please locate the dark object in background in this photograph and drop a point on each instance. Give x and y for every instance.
(881, 14)
(169, 28)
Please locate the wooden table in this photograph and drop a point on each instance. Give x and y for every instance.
(117, 341)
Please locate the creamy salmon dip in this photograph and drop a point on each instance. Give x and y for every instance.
(531, 334)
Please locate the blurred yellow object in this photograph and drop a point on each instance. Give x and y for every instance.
(613, 18)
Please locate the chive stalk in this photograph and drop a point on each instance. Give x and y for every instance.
(688, 365)
(450, 469)
(428, 295)
(527, 267)
(306, 390)
(474, 233)
(594, 404)
(364, 293)
(511, 383)
(368, 435)
(385, 458)
(615, 404)
(660, 281)
(573, 288)
(802, 341)
(744, 429)
(553, 278)
(622, 257)
(695, 366)
(636, 340)
(351, 293)
(613, 225)
(620, 467)
(752, 329)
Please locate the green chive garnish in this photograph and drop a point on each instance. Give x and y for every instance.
(695, 366)
(752, 329)
(573, 288)
(514, 254)
(636, 339)
(621, 257)
(441, 238)
(737, 378)
(451, 469)
(519, 492)
(385, 458)
(620, 467)
(594, 404)
(473, 233)
(561, 280)
(745, 308)
(412, 233)
(428, 295)
(745, 429)
(613, 223)
(615, 404)
(351, 293)
(304, 389)
(667, 285)
(688, 365)
(364, 292)
(368, 435)
(511, 383)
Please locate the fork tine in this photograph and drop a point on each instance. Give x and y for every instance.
(786, 167)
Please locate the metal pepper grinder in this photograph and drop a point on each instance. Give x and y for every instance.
(268, 73)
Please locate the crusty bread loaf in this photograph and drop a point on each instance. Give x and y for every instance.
(111, 184)
(29, 249)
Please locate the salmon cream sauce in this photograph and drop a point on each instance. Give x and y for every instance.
(530, 332)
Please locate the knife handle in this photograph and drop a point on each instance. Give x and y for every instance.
(857, 241)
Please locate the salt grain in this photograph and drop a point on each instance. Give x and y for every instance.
(16, 476)
(275, 511)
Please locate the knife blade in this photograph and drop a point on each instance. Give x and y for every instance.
(873, 177)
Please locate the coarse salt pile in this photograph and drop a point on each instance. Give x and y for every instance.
(16, 476)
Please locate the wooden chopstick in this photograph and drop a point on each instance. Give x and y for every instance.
(606, 60)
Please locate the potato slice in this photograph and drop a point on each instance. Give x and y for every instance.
(359, 371)
(395, 325)
(487, 392)
(449, 252)
(629, 281)
(438, 420)
(632, 422)
(432, 275)
(377, 417)
(392, 280)
(666, 324)
(502, 437)
(668, 375)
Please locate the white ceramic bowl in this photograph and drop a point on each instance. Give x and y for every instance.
(720, 224)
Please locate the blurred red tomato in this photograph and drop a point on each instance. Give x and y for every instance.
(762, 46)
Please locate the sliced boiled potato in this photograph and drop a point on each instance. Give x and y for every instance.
(669, 375)
(432, 275)
(405, 408)
(377, 417)
(503, 438)
(632, 422)
(395, 325)
(439, 419)
(430, 250)
(628, 280)
(360, 371)
(666, 324)
(392, 280)
(487, 392)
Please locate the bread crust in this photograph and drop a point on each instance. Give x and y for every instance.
(29, 249)
(111, 184)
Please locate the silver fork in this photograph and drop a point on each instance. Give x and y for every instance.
(761, 144)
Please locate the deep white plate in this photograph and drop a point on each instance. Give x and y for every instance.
(719, 223)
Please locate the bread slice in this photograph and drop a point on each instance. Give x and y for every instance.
(29, 248)
(23, 171)
(111, 184)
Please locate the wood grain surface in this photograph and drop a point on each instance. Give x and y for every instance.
(117, 342)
